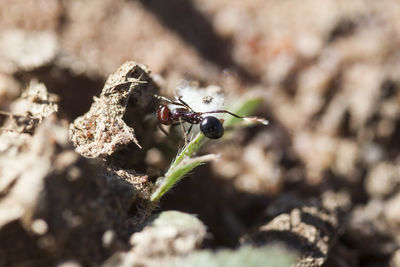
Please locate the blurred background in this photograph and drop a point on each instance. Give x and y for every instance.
(328, 71)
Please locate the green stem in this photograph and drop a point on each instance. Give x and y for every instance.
(189, 150)
(175, 174)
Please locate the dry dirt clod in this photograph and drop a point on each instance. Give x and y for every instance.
(371, 229)
(310, 230)
(116, 119)
(165, 236)
(28, 111)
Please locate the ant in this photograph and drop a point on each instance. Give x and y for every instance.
(210, 126)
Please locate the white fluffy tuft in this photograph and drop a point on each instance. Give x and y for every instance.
(202, 99)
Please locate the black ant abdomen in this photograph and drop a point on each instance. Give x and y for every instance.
(212, 127)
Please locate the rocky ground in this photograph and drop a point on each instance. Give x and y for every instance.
(76, 172)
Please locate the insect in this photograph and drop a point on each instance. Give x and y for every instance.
(210, 126)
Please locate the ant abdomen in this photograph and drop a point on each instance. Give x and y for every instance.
(212, 127)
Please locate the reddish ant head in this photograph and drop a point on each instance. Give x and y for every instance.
(164, 115)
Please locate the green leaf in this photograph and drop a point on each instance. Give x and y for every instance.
(268, 256)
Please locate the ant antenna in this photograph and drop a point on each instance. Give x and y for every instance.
(182, 103)
(183, 130)
(249, 119)
(223, 111)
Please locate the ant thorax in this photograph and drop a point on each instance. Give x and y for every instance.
(187, 116)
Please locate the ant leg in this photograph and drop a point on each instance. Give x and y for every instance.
(184, 103)
(249, 119)
(188, 131)
(224, 111)
(162, 129)
(163, 98)
(183, 130)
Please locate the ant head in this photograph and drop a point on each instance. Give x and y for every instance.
(164, 115)
(212, 127)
